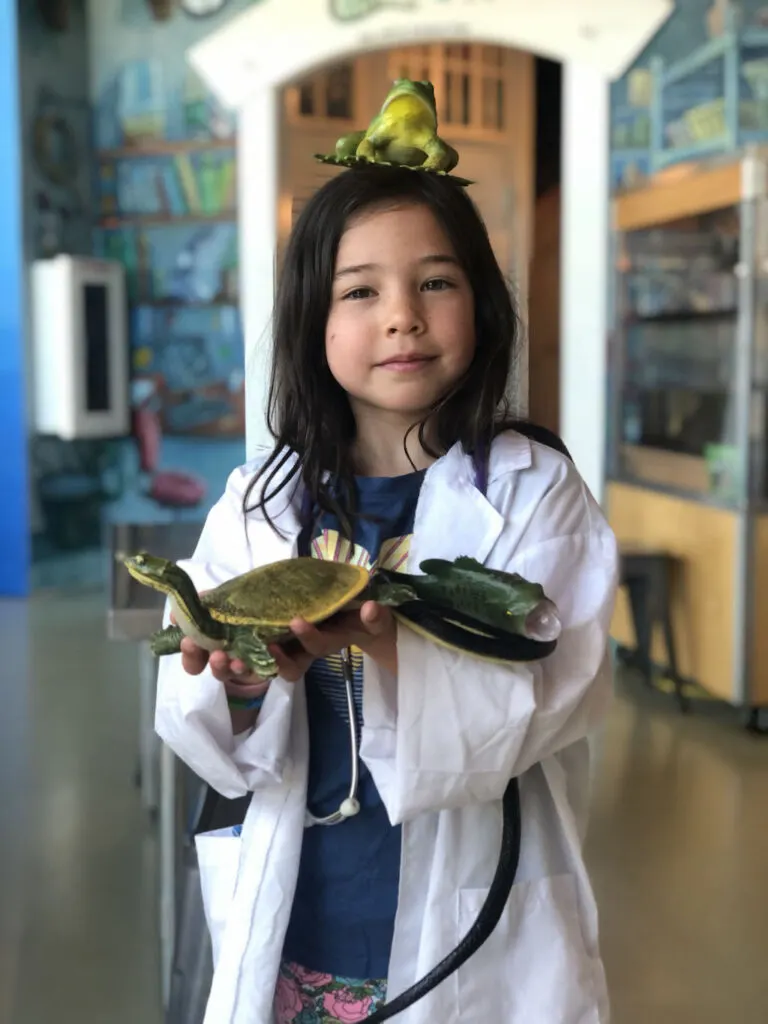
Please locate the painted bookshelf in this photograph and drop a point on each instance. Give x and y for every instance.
(163, 182)
(168, 211)
(712, 101)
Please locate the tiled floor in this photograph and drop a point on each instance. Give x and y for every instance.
(678, 844)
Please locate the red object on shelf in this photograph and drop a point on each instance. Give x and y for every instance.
(146, 427)
(180, 490)
(170, 487)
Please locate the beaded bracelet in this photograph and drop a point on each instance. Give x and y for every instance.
(246, 703)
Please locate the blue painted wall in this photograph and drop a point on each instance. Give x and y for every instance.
(57, 217)
(14, 503)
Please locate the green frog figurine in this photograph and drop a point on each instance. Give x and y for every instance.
(404, 132)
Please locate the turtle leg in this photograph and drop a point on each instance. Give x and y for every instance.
(253, 652)
(166, 641)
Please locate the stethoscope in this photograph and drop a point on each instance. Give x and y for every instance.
(350, 805)
(509, 855)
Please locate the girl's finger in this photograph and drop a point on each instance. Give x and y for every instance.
(375, 618)
(221, 667)
(193, 658)
(245, 690)
(313, 640)
(291, 668)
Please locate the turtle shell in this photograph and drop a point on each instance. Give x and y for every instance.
(275, 594)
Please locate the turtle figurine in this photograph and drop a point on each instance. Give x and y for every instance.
(461, 605)
(250, 611)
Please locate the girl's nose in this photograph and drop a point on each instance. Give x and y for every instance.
(405, 318)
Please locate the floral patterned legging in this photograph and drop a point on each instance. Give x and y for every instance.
(308, 997)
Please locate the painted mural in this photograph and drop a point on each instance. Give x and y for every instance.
(166, 187)
(166, 207)
(148, 176)
(699, 88)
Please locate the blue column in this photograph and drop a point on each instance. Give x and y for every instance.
(14, 496)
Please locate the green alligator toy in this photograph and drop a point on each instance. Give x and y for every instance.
(461, 605)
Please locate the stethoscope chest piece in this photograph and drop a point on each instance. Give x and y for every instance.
(350, 806)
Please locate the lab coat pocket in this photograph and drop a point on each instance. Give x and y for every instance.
(218, 856)
(535, 967)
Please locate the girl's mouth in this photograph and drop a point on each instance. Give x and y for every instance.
(406, 363)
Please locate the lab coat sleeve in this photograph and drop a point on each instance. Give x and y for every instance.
(191, 712)
(451, 730)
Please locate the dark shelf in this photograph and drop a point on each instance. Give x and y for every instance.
(139, 220)
(164, 147)
(704, 389)
(167, 303)
(684, 316)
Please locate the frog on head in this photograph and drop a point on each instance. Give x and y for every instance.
(404, 132)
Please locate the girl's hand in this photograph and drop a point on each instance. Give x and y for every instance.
(233, 673)
(372, 629)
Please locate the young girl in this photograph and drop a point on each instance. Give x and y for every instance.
(394, 335)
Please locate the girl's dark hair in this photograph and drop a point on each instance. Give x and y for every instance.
(308, 412)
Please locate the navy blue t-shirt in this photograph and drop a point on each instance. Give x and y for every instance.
(343, 913)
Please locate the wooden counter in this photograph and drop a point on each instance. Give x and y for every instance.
(759, 681)
(704, 594)
(703, 598)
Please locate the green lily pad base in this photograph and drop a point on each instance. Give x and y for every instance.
(356, 161)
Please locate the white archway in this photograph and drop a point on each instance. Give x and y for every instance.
(248, 60)
(277, 40)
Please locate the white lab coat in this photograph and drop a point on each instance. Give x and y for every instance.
(442, 740)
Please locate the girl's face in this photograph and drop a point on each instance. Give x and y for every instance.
(400, 330)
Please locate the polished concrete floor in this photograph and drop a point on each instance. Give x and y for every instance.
(77, 856)
(678, 844)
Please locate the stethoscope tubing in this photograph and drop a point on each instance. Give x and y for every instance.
(350, 806)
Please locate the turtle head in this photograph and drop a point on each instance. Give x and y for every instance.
(152, 571)
(170, 579)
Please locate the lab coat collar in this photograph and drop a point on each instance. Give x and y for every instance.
(453, 517)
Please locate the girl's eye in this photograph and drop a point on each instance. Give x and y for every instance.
(437, 284)
(359, 293)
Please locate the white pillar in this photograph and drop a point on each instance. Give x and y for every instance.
(584, 270)
(258, 170)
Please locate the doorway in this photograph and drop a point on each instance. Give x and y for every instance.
(544, 304)
(502, 109)
(486, 109)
